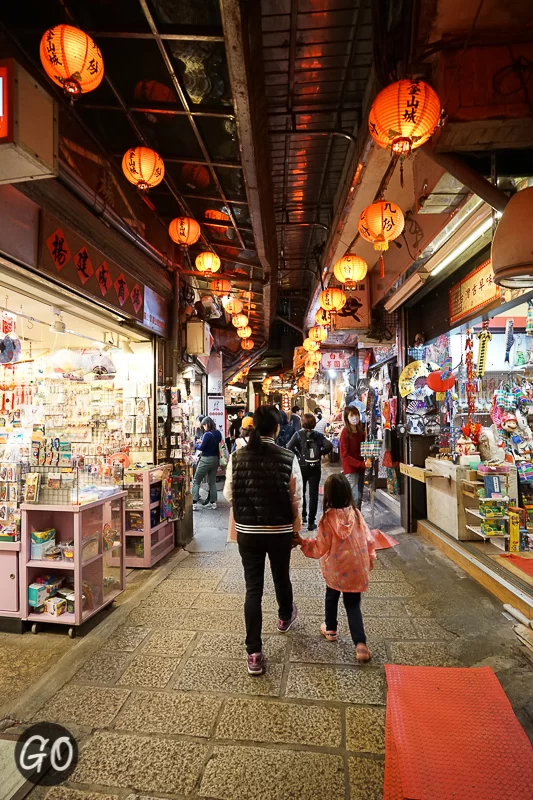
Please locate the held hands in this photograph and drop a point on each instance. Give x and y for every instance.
(296, 540)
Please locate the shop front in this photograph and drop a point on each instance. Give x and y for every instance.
(468, 402)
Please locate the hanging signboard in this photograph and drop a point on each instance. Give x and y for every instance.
(216, 410)
(339, 359)
(155, 315)
(356, 314)
(475, 291)
(215, 384)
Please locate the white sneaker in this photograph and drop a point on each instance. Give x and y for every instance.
(213, 505)
(195, 506)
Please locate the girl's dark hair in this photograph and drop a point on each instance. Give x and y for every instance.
(309, 421)
(266, 421)
(352, 410)
(337, 492)
(209, 424)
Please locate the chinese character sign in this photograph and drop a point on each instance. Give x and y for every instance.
(216, 410)
(336, 360)
(473, 292)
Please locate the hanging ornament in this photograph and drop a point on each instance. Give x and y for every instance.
(381, 223)
(509, 339)
(470, 377)
(234, 306)
(350, 269)
(332, 300)
(221, 286)
(313, 359)
(323, 318)
(484, 338)
(207, 262)
(239, 321)
(310, 345)
(245, 332)
(184, 230)
(143, 167)
(247, 344)
(317, 334)
(71, 59)
(529, 318)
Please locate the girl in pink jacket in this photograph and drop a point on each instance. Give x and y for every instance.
(346, 547)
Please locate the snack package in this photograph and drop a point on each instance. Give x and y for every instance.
(55, 606)
(41, 541)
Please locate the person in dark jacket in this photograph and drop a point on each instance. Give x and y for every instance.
(295, 418)
(286, 430)
(353, 463)
(264, 486)
(235, 427)
(209, 448)
(310, 446)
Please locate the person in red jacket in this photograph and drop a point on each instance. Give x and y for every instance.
(353, 464)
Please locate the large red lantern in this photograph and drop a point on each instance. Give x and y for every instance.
(71, 59)
(311, 346)
(143, 167)
(221, 286)
(381, 223)
(184, 230)
(207, 262)
(247, 344)
(437, 383)
(350, 269)
(195, 176)
(404, 115)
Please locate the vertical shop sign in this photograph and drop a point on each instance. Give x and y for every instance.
(155, 312)
(214, 374)
(475, 291)
(4, 103)
(216, 410)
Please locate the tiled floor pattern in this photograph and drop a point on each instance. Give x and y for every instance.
(166, 709)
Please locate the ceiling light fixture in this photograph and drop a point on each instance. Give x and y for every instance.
(406, 290)
(58, 325)
(467, 242)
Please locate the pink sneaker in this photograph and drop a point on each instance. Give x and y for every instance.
(256, 664)
(331, 636)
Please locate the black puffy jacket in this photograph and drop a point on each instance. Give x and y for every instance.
(261, 488)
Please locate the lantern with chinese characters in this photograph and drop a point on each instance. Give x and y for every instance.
(311, 346)
(317, 334)
(380, 223)
(220, 286)
(143, 167)
(404, 115)
(313, 359)
(332, 300)
(234, 306)
(71, 59)
(350, 269)
(207, 262)
(184, 230)
(247, 344)
(323, 317)
(239, 320)
(245, 332)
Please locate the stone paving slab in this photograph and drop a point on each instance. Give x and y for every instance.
(87, 706)
(253, 773)
(366, 778)
(365, 729)
(225, 677)
(105, 666)
(422, 654)
(140, 763)
(316, 650)
(231, 646)
(391, 589)
(168, 643)
(430, 629)
(280, 723)
(61, 793)
(169, 713)
(390, 628)
(360, 684)
(126, 638)
(154, 671)
(158, 617)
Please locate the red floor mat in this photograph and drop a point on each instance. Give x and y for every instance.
(383, 540)
(453, 734)
(525, 564)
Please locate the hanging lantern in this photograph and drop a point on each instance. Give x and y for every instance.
(311, 346)
(404, 115)
(245, 332)
(234, 306)
(247, 344)
(381, 223)
(195, 176)
(239, 320)
(220, 285)
(207, 262)
(184, 230)
(143, 167)
(317, 334)
(332, 300)
(350, 269)
(313, 359)
(323, 317)
(309, 372)
(71, 59)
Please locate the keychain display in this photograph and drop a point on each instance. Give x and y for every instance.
(484, 338)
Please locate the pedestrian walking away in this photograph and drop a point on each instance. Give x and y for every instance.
(310, 446)
(353, 464)
(346, 549)
(264, 486)
(207, 466)
(245, 433)
(296, 419)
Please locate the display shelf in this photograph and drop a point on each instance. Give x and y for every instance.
(43, 564)
(476, 513)
(477, 529)
(13, 546)
(155, 504)
(63, 619)
(143, 487)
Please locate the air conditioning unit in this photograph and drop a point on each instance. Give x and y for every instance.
(199, 339)
(28, 127)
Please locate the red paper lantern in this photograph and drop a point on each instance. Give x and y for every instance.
(143, 167)
(311, 346)
(207, 262)
(247, 344)
(380, 223)
(184, 230)
(71, 59)
(323, 317)
(221, 286)
(404, 115)
(437, 384)
(195, 176)
(245, 332)
(350, 269)
(154, 92)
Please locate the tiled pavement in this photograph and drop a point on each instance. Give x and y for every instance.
(165, 708)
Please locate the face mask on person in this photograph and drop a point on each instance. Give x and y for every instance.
(353, 420)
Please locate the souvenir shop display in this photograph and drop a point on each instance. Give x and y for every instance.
(149, 530)
(182, 425)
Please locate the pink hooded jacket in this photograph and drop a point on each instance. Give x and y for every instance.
(346, 547)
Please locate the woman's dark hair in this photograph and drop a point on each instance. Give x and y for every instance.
(266, 421)
(352, 410)
(337, 492)
(308, 421)
(209, 424)
(295, 409)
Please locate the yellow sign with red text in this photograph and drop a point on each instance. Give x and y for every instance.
(473, 292)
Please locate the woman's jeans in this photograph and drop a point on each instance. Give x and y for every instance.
(352, 604)
(357, 482)
(207, 466)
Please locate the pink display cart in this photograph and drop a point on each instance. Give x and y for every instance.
(148, 538)
(97, 569)
(9, 579)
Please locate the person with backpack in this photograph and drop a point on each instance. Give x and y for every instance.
(310, 446)
(208, 463)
